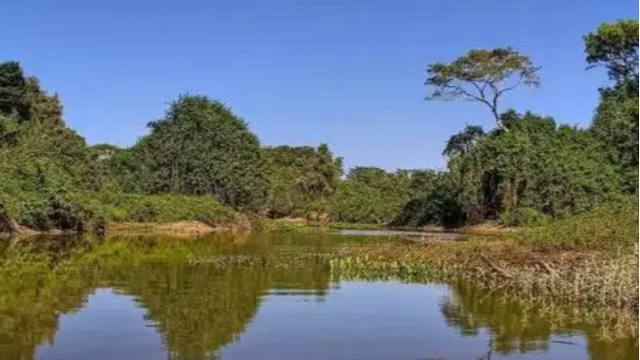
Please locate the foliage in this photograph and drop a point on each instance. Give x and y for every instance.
(523, 216)
(201, 148)
(372, 195)
(53, 212)
(527, 171)
(464, 141)
(40, 158)
(615, 46)
(616, 125)
(122, 207)
(51, 179)
(301, 179)
(609, 226)
(435, 203)
(121, 169)
(13, 99)
(483, 76)
(557, 171)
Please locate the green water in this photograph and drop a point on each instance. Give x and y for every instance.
(269, 296)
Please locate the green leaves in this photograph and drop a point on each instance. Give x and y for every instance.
(616, 125)
(301, 179)
(482, 76)
(375, 196)
(201, 148)
(464, 141)
(615, 46)
(13, 90)
(557, 171)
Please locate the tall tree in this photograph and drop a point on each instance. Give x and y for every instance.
(482, 76)
(201, 147)
(615, 46)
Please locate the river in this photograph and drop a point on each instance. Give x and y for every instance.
(266, 296)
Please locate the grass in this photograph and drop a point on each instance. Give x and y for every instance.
(587, 279)
(589, 261)
(604, 285)
(608, 227)
(157, 208)
(82, 211)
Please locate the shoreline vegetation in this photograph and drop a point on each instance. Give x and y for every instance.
(574, 262)
(201, 161)
(571, 193)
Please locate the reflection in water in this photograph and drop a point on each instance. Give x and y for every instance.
(201, 295)
(518, 328)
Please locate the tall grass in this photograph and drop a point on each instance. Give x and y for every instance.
(607, 227)
(589, 261)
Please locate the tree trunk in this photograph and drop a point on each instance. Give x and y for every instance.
(6, 223)
(496, 115)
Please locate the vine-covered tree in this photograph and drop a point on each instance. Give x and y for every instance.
(483, 76)
(537, 168)
(201, 147)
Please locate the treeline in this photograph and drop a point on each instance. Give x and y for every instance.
(200, 161)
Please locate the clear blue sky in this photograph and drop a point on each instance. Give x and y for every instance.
(346, 72)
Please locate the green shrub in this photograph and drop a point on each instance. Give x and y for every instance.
(523, 217)
(608, 226)
(54, 212)
(162, 208)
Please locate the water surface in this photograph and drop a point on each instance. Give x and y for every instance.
(263, 297)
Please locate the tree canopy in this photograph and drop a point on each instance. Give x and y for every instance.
(301, 179)
(482, 76)
(615, 46)
(201, 147)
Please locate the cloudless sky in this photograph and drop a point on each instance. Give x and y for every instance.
(346, 72)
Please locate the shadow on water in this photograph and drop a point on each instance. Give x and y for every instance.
(201, 295)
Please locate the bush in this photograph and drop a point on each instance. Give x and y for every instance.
(301, 179)
(158, 208)
(608, 226)
(54, 212)
(556, 170)
(201, 147)
(523, 217)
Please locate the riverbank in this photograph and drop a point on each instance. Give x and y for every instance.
(588, 262)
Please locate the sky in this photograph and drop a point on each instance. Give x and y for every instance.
(349, 73)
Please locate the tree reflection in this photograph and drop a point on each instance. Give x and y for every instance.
(197, 307)
(201, 294)
(519, 328)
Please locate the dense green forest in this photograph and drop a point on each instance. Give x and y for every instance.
(202, 162)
